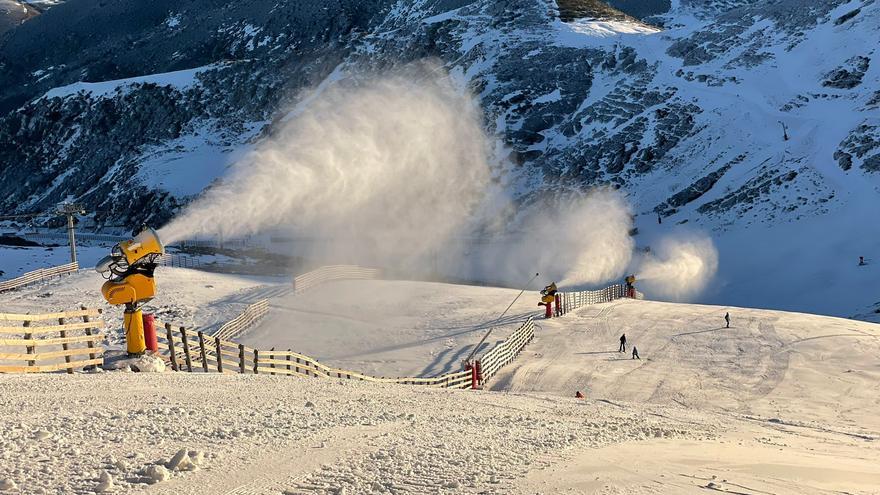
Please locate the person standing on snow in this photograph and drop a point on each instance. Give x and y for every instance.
(622, 343)
(727, 319)
(636, 353)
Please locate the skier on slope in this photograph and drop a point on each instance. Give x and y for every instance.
(636, 353)
(622, 343)
(727, 319)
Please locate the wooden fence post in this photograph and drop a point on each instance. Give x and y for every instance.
(169, 335)
(89, 343)
(189, 365)
(219, 356)
(256, 361)
(271, 357)
(241, 358)
(29, 348)
(64, 346)
(202, 351)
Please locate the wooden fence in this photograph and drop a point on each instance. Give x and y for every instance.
(334, 272)
(38, 275)
(254, 313)
(27, 341)
(505, 352)
(195, 351)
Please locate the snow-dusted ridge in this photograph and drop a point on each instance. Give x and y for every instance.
(180, 80)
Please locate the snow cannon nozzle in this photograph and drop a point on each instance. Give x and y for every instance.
(143, 249)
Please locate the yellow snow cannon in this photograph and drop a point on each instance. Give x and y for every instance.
(129, 270)
(630, 286)
(548, 295)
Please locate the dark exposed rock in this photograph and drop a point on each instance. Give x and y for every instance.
(11, 240)
(843, 159)
(694, 191)
(13, 13)
(862, 144)
(642, 9)
(848, 76)
(570, 10)
(845, 17)
(756, 188)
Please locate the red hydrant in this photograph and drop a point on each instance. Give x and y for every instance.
(150, 339)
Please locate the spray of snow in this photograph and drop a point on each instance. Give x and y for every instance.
(596, 243)
(389, 172)
(573, 239)
(388, 169)
(680, 268)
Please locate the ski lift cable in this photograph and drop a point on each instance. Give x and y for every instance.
(497, 320)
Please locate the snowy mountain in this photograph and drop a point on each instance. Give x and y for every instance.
(755, 121)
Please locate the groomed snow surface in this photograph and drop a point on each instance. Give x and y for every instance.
(779, 403)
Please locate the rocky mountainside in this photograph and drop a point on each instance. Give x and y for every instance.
(13, 13)
(751, 120)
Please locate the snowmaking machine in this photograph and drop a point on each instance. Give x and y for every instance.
(630, 286)
(548, 297)
(129, 270)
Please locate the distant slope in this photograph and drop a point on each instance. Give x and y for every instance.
(769, 363)
(13, 13)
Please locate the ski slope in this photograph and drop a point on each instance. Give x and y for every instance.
(797, 367)
(390, 328)
(780, 403)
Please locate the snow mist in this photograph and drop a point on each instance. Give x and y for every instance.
(596, 244)
(680, 268)
(388, 170)
(574, 240)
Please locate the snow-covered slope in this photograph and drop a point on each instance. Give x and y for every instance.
(390, 328)
(780, 403)
(683, 109)
(804, 368)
